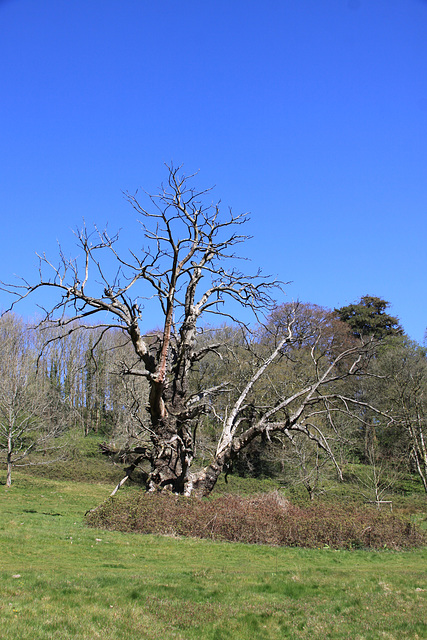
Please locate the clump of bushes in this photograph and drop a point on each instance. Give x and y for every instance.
(262, 519)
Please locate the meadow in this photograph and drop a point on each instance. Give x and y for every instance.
(62, 580)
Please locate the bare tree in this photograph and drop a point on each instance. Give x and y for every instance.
(305, 463)
(402, 386)
(28, 420)
(188, 266)
(377, 478)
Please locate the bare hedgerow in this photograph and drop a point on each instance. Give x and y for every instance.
(261, 519)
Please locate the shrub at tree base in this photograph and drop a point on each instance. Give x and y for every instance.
(262, 519)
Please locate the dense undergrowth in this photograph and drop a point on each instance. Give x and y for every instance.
(261, 519)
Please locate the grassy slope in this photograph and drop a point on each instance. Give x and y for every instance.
(82, 583)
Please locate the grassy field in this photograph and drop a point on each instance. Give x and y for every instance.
(62, 580)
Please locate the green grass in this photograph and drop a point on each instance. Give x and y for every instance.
(80, 583)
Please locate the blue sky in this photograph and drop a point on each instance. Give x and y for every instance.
(312, 115)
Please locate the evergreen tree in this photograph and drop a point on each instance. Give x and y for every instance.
(369, 318)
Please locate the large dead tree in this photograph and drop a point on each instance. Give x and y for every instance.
(187, 265)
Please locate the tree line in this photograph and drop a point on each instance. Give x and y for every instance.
(195, 397)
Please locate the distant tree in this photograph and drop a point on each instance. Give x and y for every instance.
(304, 464)
(400, 386)
(377, 477)
(369, 318)
(28, 403)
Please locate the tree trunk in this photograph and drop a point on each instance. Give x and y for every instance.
(9, 470)
(201, 483)
(173, 455)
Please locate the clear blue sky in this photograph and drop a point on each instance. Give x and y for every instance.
(311, 114)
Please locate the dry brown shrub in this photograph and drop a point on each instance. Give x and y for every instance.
(260, 519)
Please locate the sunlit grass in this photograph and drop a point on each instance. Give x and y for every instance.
(61, 580)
